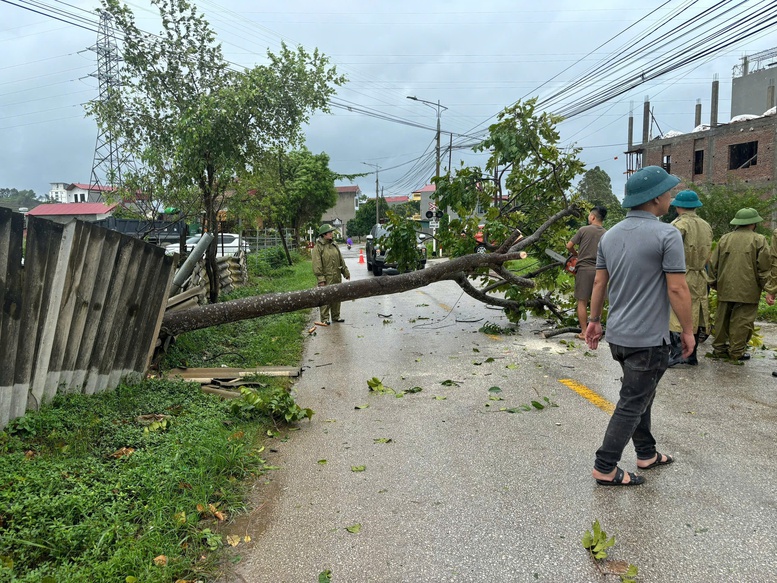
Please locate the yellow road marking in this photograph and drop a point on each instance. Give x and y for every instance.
(590, 395)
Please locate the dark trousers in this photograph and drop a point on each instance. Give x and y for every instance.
(642, 369)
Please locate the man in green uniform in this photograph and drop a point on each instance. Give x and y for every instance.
(329, 268)
(740, 267)
(771, 285)
(697, 243)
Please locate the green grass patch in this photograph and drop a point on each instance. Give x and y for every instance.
(268, 341)
(88, 492)
(93, 488)
(767, 313)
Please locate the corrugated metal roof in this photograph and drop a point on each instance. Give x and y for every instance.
(71, 208)
(94, 187)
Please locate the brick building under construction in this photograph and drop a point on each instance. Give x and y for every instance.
(742, 150)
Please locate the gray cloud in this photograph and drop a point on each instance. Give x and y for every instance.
(474, 57)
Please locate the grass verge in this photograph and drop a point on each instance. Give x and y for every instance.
(131, 485)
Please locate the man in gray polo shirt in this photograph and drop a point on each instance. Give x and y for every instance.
(643, 262)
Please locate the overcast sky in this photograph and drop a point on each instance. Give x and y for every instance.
(474, 57)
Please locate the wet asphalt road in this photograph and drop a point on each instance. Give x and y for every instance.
(465, 492)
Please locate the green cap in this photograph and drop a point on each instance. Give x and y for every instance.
(647, 183)
(324, 229)
(686, 199)
(746, 216)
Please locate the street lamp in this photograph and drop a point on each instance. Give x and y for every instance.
(439, 108)
(377, 206)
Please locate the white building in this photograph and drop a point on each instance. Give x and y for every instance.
(66, 192)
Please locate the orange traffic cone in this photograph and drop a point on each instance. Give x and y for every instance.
(361, 255)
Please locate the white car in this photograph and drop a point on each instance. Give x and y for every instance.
(226, 244)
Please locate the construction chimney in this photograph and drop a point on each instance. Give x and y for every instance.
(631, 126)
(714, 102)
(770, 95)
(697, 119)
(646, 121)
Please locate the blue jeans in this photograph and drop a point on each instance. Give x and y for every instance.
(642, 369)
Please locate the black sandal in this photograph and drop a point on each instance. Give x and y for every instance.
(658, 462)
(618, 479)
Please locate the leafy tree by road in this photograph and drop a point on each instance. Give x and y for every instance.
(193, 124)
(360, 225)
(596, 188)
(721, 203)
(291, 189)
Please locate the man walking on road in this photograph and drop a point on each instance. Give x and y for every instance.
(697, 243)
(584, 244)
(740, 267)
(642, 261)
(328, 267)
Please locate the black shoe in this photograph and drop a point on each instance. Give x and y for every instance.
(342, 320)
(745, 356)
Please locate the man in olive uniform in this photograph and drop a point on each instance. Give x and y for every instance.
(328, 267)
(771, 285)
(740, 267)
(697, 243)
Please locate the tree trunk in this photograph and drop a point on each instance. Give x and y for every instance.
(283, 241)
(264, 305)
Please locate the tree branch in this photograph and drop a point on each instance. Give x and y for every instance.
(472, 291)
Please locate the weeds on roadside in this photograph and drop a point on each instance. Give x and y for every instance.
(88, 494)
(277, 404)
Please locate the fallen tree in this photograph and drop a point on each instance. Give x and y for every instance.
(459, 269)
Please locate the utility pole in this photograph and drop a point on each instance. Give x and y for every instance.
(377, 196)
(439, 108)
(109, 159)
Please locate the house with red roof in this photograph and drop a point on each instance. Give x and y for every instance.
(66, 212)
(395, 200)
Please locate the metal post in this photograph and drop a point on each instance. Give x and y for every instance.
(439, 109)
(437, 167)
(377, 196)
